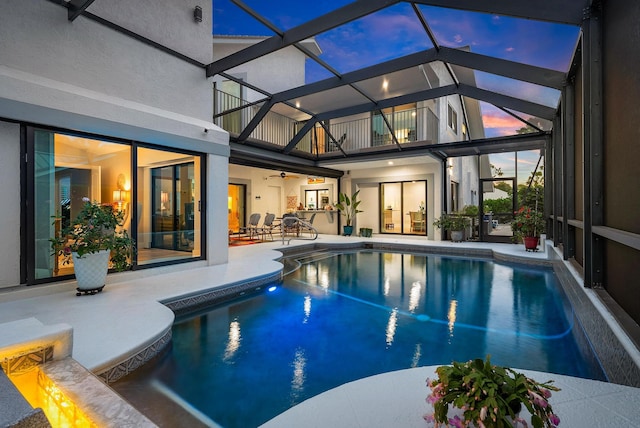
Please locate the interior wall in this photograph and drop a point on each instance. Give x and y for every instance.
(621, 88)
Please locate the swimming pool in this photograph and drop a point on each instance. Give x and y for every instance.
(345, 316)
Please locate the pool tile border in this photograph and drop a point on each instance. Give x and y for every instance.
(618, 365)
(182, 305)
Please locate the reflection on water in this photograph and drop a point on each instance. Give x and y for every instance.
(233, 343)
(451, 316)
(297, 383)
(353, 315)
(391, 327)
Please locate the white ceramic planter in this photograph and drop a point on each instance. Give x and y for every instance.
(91, 269)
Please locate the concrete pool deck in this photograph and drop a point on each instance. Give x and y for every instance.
(112, 328)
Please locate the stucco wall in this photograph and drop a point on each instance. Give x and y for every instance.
(10, 206)
(275, 72)
(36, 37)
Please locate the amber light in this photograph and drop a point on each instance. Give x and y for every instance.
(41, 392)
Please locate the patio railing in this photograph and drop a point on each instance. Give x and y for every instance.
(233, 114)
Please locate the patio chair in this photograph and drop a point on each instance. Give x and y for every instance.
(251, 229)
(307, 226)
(267, 226)
(417, 221)
(290, 224)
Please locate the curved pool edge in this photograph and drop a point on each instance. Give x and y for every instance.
(398, 399)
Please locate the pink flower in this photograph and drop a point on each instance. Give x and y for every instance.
(538, 400)
(429, 417)
(554, 419)
(546, 393)
(456, 422)
(520, 421)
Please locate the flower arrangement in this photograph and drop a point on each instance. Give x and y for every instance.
(527, 223)
(489, 397)
(95, 229)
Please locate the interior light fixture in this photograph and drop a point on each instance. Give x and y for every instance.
(390, 162)
(385, 84)
(197, 14)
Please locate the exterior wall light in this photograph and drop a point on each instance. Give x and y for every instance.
(197, 14)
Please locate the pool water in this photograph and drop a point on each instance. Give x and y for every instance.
(342, 317)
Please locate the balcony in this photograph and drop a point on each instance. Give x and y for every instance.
(354, 134)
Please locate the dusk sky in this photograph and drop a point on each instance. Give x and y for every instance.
(396, 31)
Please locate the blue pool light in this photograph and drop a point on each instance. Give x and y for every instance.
(272, 288)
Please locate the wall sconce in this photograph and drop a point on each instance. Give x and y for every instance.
(120, 198)
(197, 14)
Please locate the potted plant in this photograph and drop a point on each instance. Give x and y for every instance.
(91, 240)
(348, 206)
(527, 225)
(454, 224)
(484, 395)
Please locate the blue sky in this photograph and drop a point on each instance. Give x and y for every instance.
(396, 31)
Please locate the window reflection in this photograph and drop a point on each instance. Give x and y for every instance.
(233, 341)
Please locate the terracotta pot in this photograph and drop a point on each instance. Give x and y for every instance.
(531, 243)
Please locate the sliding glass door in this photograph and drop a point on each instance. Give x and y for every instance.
(170, 221)
(403, 209)
(160, 197)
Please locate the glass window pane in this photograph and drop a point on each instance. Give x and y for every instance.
(168, 201)
(68, 169)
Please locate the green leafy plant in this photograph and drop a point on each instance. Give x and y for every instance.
(488, 396)
(471, 210)
(96, 227)
(451, 222)
(348, 206)
(528, 223)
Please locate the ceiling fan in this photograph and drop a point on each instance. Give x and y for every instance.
(284, 175)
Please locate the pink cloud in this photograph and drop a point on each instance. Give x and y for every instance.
(493, 120)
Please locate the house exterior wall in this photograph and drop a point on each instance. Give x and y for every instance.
(88, 77)
(10, 208)
(285, 69)
(275, 72)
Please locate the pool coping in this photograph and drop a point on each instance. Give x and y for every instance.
(614, 353)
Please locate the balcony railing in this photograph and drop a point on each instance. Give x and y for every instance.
(234, 114)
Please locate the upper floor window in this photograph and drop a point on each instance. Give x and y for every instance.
(452, 118)
(402, 120)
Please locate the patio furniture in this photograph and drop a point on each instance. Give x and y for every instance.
(417, 221)
(251, 229)
(268, 226)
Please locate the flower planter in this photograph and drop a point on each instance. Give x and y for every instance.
(348, 230)
(91, 271)
(366, 232)
(457, 235)
(530, 243)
